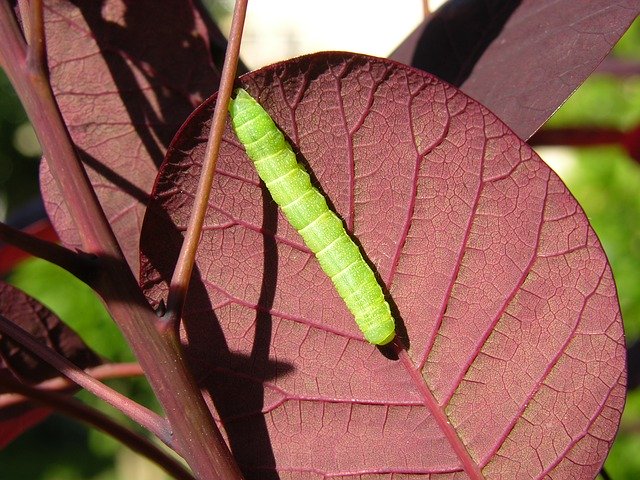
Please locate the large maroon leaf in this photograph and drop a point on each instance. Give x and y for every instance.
(33, 317)
(125, 75)
(516, 359)
(521, 59)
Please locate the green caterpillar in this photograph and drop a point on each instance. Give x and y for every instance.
(307, 211)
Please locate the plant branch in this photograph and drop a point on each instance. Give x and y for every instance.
(64, 385)
(74, 408)
(426, 10)
(36, 53)
(81, 265)
(32, 86)
(619, 67)
(161, 356)
(138, 413)
(186, 259)
(10, 36)
(590, 136)
(577, 137)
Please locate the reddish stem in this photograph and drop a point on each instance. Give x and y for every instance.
(81, 265)
(64, 385)
(590, 136)
(76, 409)
(578, 137)
(142, 415)
(11, 255)
(161, 357)
(186, 259)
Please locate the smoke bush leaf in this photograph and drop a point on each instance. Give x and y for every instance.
(503, 293)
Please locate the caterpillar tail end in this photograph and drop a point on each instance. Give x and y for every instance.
(385, 340)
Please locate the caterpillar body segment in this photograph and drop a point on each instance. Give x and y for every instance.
(307, 211)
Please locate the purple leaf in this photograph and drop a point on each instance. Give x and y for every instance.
(33, 317)
(125, 76)
(516, 363)
(521, 59)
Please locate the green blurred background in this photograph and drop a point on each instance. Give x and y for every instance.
(605, 180)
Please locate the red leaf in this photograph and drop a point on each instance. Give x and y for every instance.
(521, 59)
(17, 419)
(125, 75)
(516, 359)
(32, 316)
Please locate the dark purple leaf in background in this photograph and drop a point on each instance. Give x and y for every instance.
(125, 75)
(516, 359)
(522, 59)
(33, 317)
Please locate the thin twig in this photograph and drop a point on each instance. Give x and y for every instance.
(74, 408)
(194, 430)
(36, 53)
(184, 266)
(620, 67)
(15, 51)
(31, 83)
(81, 265)
(64, 385)
(577, 136)
(138, 413)
(426, 10)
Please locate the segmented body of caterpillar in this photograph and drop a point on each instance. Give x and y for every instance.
(307, 211)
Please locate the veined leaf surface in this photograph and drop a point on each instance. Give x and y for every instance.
(515, 365)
